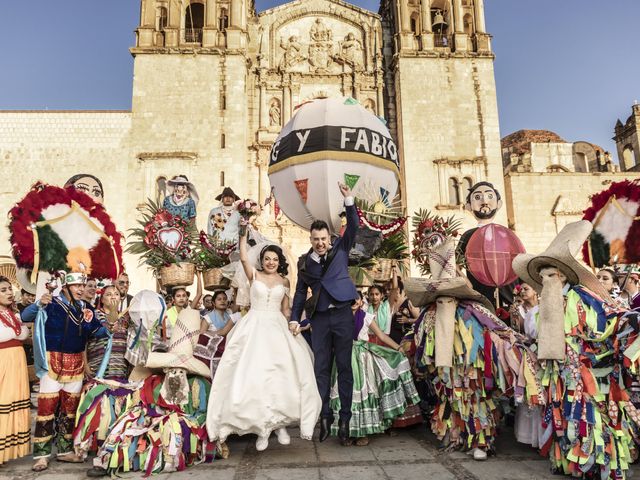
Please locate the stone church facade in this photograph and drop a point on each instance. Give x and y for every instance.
(214, 82)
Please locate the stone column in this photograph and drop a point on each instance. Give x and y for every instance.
(457, 16)
(236, 13)
(286, 104)
(210, 30)
(264, 106)
(380, 98)
(479, 13)
(405, 25)
(148, 14)
(427, 33)
(172, 32)
(461, 39)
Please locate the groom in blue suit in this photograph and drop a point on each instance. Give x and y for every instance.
(324, 270)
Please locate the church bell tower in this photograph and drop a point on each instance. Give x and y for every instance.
(441, 100)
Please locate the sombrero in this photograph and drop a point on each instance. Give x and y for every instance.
(227, 192)
(444, 282)
(183, 338)
(183, 180)
(561, 254)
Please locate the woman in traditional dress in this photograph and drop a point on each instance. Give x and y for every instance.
(382, 382)
(15, 421)
(528, 422)
(118, 368)
(265, 380)
(106, 393)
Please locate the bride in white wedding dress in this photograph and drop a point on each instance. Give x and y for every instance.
(265, 380)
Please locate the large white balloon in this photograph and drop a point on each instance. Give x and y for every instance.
(328, 141)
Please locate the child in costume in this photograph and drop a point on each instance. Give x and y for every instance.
(63, 325)
(475, 360)
(586, 346)
(182, 199)
(382, 382)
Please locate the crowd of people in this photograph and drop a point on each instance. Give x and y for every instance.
(562, 348)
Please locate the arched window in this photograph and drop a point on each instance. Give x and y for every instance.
(193, 22)
(223, 20)
(415, 24)
(467, 183)
(162, 18)
(161, 189)
(468, 24)
(580, 162)
(454, 191)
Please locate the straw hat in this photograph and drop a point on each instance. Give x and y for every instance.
(183, 180)
(561, 254)
(227, 192)
(183, 338)
(444, 282)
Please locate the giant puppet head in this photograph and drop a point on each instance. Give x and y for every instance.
(484, 201)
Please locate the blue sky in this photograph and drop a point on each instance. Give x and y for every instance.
(571, 66)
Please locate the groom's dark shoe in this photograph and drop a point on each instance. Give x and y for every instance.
(325, 428)
(343, 433)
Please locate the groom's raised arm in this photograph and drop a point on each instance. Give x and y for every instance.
(299, 298)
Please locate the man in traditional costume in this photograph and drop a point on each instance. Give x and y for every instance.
(586, 345)
(484, 202)
(224, 220)
(163, 428)
(474, 358)
(63, 325)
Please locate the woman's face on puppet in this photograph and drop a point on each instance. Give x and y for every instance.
(180, 191)
(89, 186)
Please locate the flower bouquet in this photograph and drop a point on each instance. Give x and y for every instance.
(165, 243)
(247, 209)
(212, 255)
(430, 231)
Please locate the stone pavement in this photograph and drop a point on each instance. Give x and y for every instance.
(413, 454)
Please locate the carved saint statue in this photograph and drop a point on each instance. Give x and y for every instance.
(292, 52)
(274, 113)
(319, 32)
(351, 49)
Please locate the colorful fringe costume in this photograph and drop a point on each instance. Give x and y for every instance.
(589, 419)
(383, 386)
(489, 364)
(154, 436)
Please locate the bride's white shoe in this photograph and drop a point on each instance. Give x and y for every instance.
(283, 436)
(262, 443)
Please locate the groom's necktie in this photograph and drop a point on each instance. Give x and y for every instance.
(323, 260)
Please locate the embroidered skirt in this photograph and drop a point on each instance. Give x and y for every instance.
(15, 404)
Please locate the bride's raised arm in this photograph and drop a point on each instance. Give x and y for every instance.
(244, 257)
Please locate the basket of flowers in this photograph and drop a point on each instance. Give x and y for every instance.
(212, 255)
(165, 243)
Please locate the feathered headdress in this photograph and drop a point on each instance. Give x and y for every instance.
(55, 228)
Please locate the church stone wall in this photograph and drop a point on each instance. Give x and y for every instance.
(539, 205)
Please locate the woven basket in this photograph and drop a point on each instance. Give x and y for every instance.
(361, 277)
(177, 274)
(213, 279)
(382, 271)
